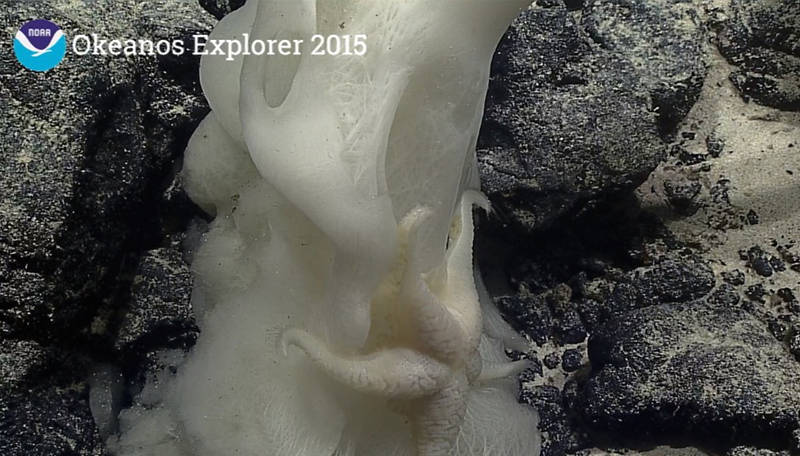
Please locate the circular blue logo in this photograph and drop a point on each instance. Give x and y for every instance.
(40, 45)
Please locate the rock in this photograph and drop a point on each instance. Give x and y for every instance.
(593, 312)
(552, 360)
(682, 196)
(761, 40)
(750, 451)
(535, 369)
(635, 288)
(90, 147)
(624, 297)
(758, 260)
(794, 344)
(532, 277)
(714, 145)
(796, 436)
(571, 360)
(160, 314)
(220, 8)
(663, 39)
(44, 403)
(687, 157)
(550, 316)
(697, 371)
(787, 295)
(670, 279)
(567, 325)
(82, 173)
(722, 214)
(632, 261)
(724, 296)
(735, 277)
(529, 315)
(569, 328)
(788, 255)
(576, 109)
(564, 123)
(756, 292)
(752, 217)
(776, 264)
(675, 280)
(554, 420)
(778, 328)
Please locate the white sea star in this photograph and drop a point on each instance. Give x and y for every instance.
(426, 363)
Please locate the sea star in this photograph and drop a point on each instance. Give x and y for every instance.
(426, 363)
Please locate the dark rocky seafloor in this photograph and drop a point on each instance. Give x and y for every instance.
(642, 157)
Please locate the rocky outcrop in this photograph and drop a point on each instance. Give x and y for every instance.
(763, 40)
(707, 371)
(88, 150)
(579, 104)
(44, 403)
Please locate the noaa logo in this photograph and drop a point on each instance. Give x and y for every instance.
(40, 45)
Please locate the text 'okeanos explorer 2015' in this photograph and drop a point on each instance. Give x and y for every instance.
(230, 48)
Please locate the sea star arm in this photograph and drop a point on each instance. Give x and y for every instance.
(439, 419)
(449, 323)
(396, 373)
